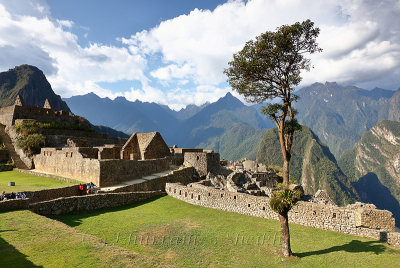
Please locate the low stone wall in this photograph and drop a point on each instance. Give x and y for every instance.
(90, 202)
(361, 221)
(13, 204)
(182, 175)
(39, 196)
(48, 194)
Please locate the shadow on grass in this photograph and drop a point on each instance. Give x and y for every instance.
(355, 246)
(11, 257)
(75, 219)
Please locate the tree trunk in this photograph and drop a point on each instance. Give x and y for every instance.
(285, 173)
(285, 247)
(286, 159)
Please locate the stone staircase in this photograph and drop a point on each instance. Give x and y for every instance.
(11, 149)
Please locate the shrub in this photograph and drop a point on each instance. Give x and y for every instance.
(282, 201)
(32, 143)
(26, 128)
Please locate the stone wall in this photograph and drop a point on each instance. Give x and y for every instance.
(113, 172)
(39, 196)
(6, 115)
(183, 175)
(90, 202)
(48, 194)
(68, 162)
(77, 163)
(354, 220)
(109, 152)
(43, 114)
(203, 162)
(156, 148)
(13, 204)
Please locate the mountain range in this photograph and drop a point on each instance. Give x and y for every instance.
(312, 165)
(373, 165)
(340, 122)
(340, 115)
(227, 126)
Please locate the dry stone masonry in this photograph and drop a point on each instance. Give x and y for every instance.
(358, 219)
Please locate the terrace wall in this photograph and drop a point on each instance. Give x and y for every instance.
(355, 220)
(90, 202)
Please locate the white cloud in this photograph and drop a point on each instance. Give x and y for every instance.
(360, 39)
(351, 34)
(66, 23)
(70, 68)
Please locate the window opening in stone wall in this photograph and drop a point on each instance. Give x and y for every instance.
(334, 215)
(170, 189)
(198, 197)
(180, 192)
(66, 154)
(71, 154)
(248, 205)
(263, 208)
(174, 191)
(185, 194)
(234, 197)
(209, 194)
(314, 213)
(192, 196)
(222, 195)
(198, 158)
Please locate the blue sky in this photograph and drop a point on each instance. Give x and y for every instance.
(102, 20)
(174, 52)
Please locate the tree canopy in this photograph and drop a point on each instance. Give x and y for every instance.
(270, 66)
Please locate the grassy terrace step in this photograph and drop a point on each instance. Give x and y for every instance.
(30, 240)
(27, 182)
(185, 235)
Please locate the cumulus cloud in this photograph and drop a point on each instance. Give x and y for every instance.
(33, 37)
(360, 38)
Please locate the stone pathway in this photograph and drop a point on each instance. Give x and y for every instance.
(143, 179)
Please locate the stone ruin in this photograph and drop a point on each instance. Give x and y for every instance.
(142, 155)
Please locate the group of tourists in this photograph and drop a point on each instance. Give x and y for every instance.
(19, 195)
(88, 188)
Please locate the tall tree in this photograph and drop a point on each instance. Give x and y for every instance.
(269, 68)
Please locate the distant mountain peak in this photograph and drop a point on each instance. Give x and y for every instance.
(31, 84)
(228, 94)
(229, 100)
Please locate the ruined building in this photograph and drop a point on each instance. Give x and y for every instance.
(142, 155)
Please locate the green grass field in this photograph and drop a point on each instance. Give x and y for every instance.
(30, 240)
(26, 182)
(185, 235)
(166, 231)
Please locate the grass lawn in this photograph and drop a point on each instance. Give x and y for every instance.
(182, 234)
(26, 182)
(30, 240)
